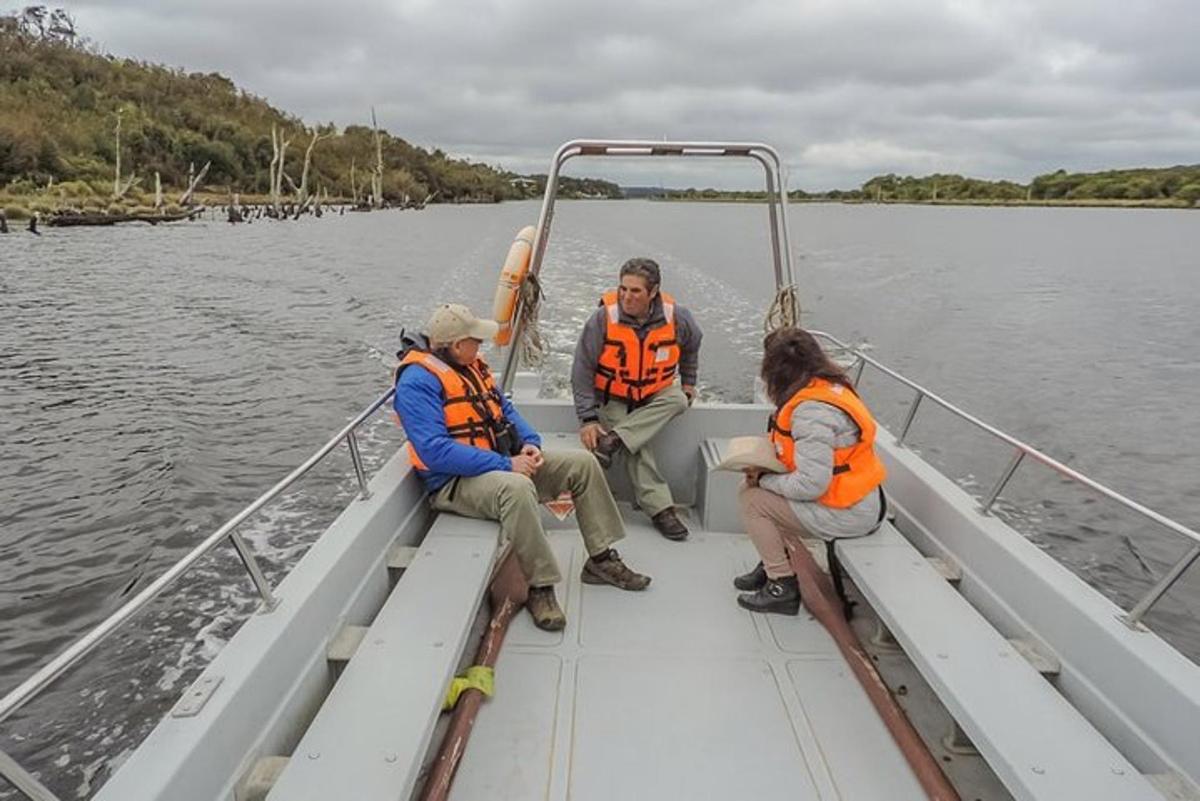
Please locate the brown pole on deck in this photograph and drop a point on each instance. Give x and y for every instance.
(508, 592)
(821, 600)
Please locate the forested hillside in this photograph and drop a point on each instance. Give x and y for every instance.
(60, 102)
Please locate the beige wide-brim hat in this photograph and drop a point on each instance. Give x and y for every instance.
(451, 322)
(751, 453)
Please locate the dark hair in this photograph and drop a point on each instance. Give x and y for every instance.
(643, 268)
(792, 358)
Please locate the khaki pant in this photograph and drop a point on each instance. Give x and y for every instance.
(637, 430)
(773, 528)
(512, 499)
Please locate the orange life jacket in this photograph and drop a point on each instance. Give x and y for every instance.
(633, 369)
(470, 402)
(857, 470)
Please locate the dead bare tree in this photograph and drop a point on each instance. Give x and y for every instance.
(302, 194)
(279, 147)
(377, 176)
(117, 177)
(123, 190)
(157, 190)
(353, 184)
(186, 198)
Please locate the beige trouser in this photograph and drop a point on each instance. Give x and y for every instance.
(637, 429)
(773, 528)
(512, 499)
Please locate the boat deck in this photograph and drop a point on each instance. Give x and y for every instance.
(676, 692)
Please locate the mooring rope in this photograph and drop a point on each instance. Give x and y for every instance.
(533, 344)
(784, 310)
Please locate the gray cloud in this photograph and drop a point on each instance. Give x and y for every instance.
(844, 89)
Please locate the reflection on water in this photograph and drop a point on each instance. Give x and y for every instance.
(155, 380)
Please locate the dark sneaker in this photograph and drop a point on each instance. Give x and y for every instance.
(609, 569)
(607, 448)
(781, 596)
(543, 607)
(754, 580)
(669, 525)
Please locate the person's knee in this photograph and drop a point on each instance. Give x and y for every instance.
(516, 488)
(580, 462)
(751, 500)
(581, 471)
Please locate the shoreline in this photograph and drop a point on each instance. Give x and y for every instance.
(21, 208)
(1156, 203)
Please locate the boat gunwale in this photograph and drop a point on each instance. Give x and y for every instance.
(1132, 618)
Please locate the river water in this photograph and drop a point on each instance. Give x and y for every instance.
(155, 380)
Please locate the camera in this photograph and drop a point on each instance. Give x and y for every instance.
(508, 439)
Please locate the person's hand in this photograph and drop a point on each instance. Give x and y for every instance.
(589, 435)
(535, 452)
(752, 477)
(525, 464)
(690, 391)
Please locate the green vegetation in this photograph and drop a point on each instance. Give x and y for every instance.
(577, 188)
(1170, 187)
(60, 101)
(943, 188)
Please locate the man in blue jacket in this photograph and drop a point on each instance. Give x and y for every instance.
(478, 457)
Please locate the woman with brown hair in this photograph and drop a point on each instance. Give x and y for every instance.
(824, 435)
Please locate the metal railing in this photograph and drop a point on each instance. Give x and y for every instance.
(1021, 450)
(31, 687)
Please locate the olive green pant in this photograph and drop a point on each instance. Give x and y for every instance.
(513, 499)
(637, 430)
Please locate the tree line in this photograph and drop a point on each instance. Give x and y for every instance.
(1178, 185)
(1168, 186)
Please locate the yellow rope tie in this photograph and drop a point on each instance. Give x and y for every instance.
(476, 677)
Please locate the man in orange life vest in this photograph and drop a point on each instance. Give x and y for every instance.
(478, 457)
(626, 362)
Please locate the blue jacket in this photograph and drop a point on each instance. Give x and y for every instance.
(419, 404)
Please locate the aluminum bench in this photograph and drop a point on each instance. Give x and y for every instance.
(368, 739)
(1038, 745)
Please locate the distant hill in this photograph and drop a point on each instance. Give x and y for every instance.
(577, 188)
(59, 101)
(640, 192)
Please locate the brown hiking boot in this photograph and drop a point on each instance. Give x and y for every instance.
(669, 524)
(609, 569)
(607, 448)
(543, 607)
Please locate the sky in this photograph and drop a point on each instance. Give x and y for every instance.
(844, 89)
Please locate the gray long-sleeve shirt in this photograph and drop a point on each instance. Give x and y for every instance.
(591, 342)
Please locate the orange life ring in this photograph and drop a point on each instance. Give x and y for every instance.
(512, 275)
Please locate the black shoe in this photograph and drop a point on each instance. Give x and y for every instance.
(669, 524)
(781, 596)
(754, 580)
(606, 448)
